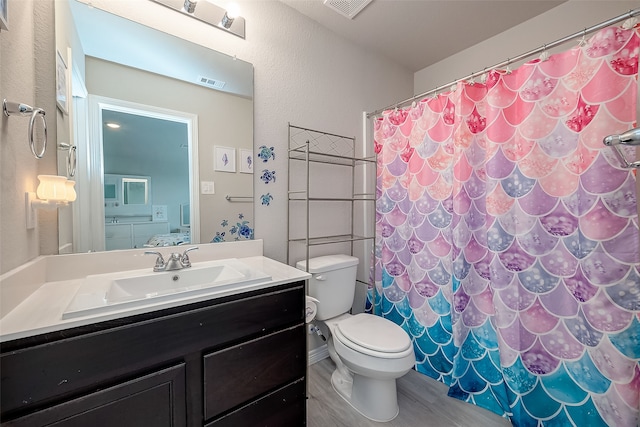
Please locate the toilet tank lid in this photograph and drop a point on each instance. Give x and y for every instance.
(327, 263)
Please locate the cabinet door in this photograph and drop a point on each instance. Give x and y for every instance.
(157, 399)
(236, 375)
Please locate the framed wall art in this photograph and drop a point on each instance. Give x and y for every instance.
(246, 160)
(62, 83)
(224, 159)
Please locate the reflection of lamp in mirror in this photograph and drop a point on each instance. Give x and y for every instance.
(71, 191)
(53, 191)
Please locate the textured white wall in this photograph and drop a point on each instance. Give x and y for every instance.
(26, 75)
(561, 21)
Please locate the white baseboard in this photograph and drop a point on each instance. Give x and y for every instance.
(317, 354)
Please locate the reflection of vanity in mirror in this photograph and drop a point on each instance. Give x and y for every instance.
(132, 220)
(153, 115)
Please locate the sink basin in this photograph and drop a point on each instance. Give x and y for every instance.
(102, 293)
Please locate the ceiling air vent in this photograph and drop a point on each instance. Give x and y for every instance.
(206, 81)
(348, 8)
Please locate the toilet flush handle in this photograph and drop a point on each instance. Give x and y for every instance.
(320, 277)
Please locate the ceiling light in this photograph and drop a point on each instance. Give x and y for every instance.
(113, 125)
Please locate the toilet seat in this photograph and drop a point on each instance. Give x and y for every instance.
(373, 336)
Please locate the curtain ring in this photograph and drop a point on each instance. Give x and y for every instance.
(37, 112)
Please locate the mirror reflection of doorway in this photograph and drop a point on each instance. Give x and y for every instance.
(137, 142)
(137, 146)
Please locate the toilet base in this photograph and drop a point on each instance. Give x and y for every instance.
(375, 399)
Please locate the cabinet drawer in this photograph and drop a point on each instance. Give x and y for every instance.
(117, 230)
(149, 229)
(236, 375)
(112, 243)
(284, 407)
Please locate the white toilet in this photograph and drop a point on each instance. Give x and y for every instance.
(370, 352)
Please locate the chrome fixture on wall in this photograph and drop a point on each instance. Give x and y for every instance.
(18, 109)
(628, 138)
(209, 13)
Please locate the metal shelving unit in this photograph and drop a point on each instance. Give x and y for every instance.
(308, 147)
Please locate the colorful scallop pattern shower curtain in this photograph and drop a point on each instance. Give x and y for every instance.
(507, 237)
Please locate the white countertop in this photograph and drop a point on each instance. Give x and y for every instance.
(42, 310)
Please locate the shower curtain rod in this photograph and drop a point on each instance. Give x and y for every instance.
(543, 48)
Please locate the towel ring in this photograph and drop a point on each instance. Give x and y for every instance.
(71, 157)
(19, 109)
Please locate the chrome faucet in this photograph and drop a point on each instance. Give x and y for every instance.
(176, 261)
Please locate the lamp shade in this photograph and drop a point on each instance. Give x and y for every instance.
(71, 191)
(52, 188)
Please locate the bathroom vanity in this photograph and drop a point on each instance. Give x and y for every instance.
(233, 359)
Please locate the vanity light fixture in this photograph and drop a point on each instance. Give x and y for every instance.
(233, 10)
(209, 13)
(53, 191)
(190, 6)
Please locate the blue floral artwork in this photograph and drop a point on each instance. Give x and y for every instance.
(268, 176)
(240, 231)
(266, 153)
(266, 199)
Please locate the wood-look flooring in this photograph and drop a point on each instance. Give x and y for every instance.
(423, 402)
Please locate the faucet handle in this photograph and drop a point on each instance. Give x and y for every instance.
(185, 258)
(159, 260)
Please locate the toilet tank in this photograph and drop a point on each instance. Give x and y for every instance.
(333, 283)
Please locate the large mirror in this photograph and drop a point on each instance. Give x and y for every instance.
(154, 110)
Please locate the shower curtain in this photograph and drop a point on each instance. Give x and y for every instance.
(507, 241)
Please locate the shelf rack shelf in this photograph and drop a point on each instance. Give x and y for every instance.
(308, 147)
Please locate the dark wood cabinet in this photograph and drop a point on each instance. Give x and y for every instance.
(157, 399)
(228, 360)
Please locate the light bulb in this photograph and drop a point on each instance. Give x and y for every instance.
(233, 10)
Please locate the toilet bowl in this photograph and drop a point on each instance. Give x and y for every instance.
(369, 352)
(366, 366)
